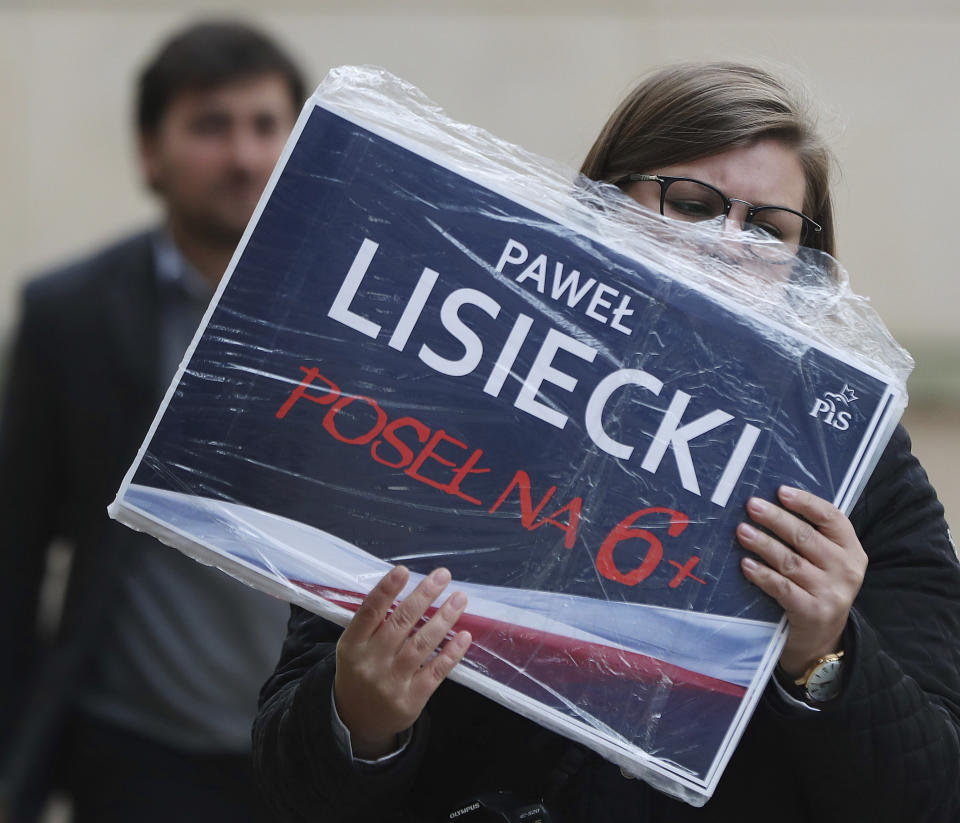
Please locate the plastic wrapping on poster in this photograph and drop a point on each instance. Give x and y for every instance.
(435, 348)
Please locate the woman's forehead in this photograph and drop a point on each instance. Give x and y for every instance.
(764, 172)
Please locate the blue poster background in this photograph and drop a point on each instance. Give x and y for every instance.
(220, 436)
(342, 185)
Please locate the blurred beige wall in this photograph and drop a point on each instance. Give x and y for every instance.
(545, 74)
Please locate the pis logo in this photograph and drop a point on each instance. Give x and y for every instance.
(831, 409)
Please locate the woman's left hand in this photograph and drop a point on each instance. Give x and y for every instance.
(813, 567)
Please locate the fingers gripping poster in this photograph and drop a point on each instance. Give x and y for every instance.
(432, 348)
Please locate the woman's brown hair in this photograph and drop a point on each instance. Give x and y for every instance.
(692, 110)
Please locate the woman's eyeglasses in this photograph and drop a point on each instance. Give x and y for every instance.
(683, 198)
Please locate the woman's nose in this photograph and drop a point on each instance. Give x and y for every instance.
(736, 215)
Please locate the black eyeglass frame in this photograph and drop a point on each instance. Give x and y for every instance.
(665, 182)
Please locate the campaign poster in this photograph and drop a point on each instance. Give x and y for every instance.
(406, 364)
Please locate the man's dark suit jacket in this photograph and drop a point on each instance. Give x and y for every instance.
(81, 392)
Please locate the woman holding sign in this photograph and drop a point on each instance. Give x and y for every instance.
(862, 721)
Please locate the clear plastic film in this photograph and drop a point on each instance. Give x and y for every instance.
(434, 348)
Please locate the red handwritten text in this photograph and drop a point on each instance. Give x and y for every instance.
(418, 453)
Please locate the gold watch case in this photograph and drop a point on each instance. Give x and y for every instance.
(821, 682)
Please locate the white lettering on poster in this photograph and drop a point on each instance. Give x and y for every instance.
(557, 348)
(567, 285)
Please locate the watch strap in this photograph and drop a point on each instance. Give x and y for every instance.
(789, 684)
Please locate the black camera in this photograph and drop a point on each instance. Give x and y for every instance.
(498, 807)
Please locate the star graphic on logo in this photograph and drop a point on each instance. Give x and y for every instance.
(847, 394)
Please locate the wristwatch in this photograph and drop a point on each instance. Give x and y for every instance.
(820, 683)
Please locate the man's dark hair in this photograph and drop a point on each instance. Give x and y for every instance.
(205, 56)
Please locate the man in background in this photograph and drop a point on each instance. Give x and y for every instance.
(141, 704)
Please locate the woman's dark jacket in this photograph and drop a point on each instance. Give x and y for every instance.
(888, 749)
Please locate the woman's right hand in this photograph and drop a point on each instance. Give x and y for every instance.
(384, 673)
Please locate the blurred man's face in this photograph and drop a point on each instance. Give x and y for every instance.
(213, 152)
